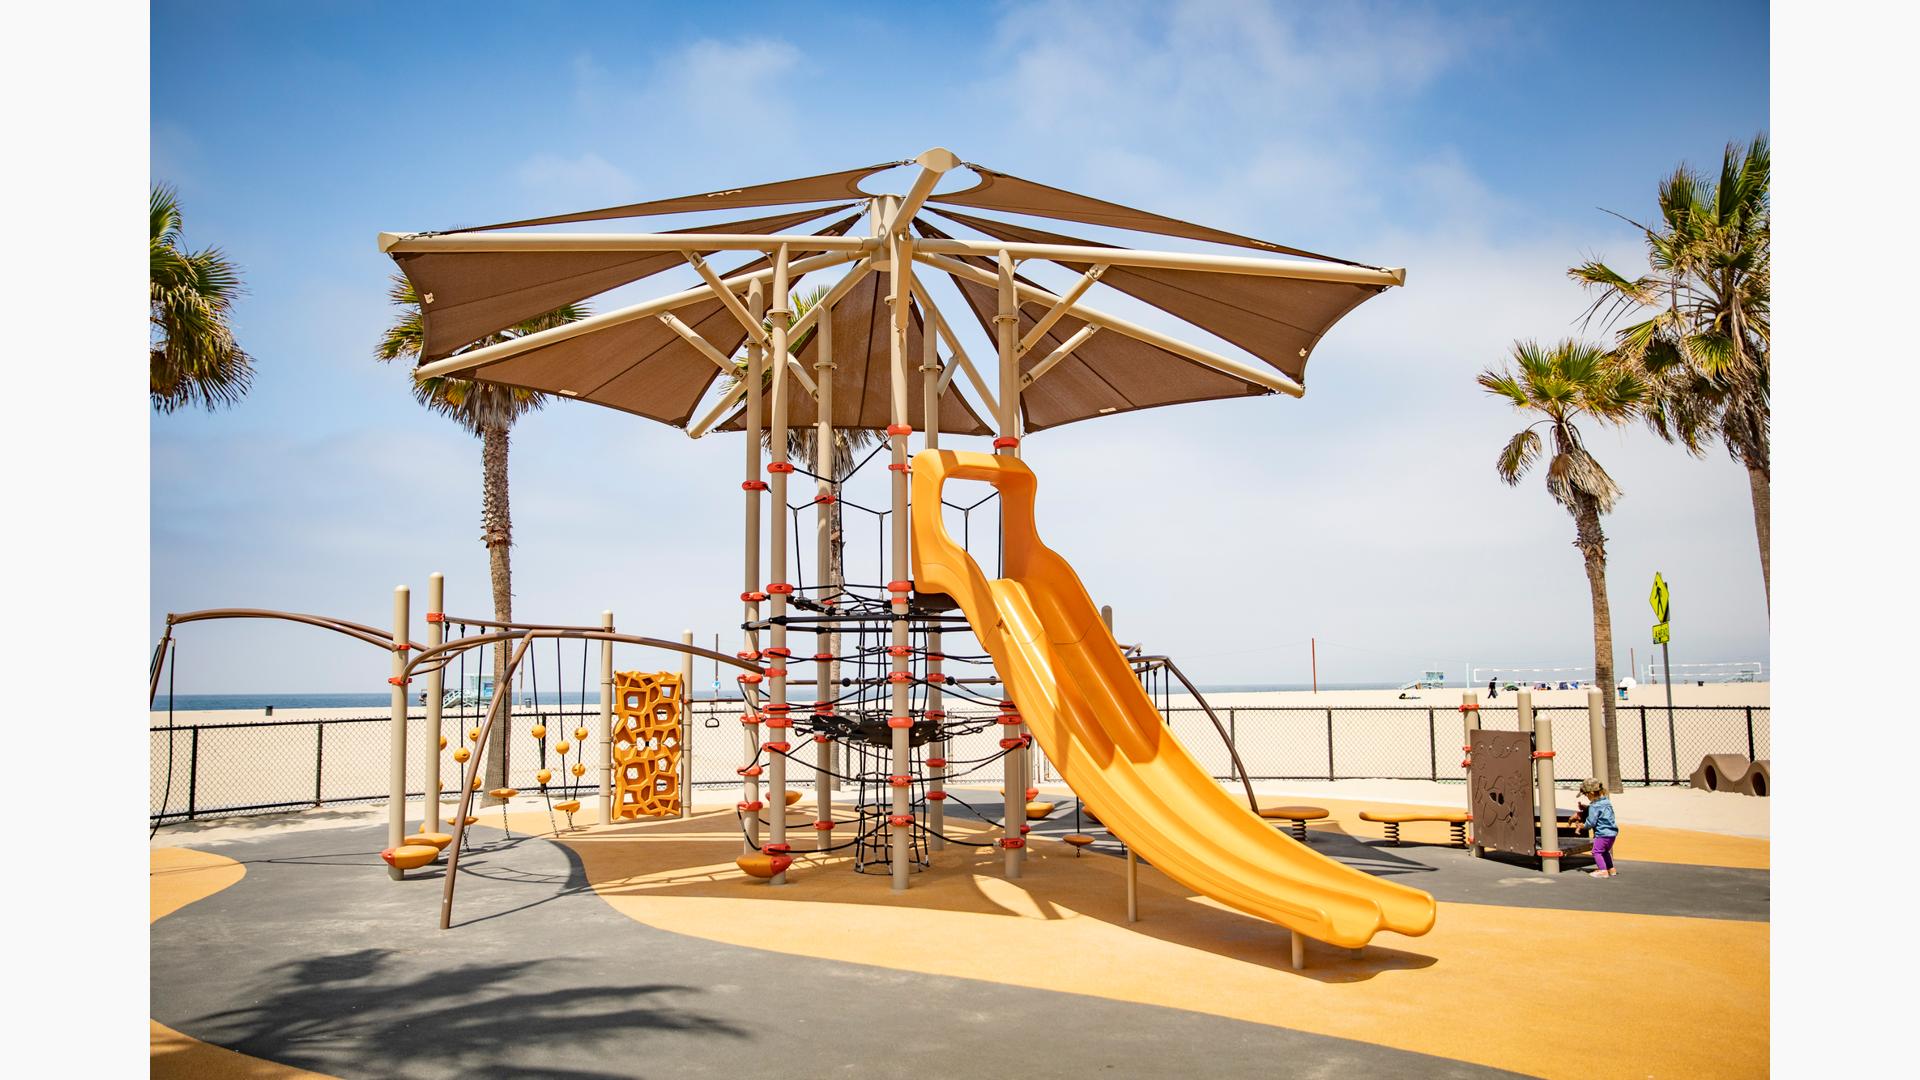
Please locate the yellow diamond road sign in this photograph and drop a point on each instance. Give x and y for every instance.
(1659, 598)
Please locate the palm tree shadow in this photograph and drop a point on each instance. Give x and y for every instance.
(320, 1011)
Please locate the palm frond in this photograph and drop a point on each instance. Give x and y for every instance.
(1518, 456)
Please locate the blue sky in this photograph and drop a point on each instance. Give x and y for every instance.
(1473, 145)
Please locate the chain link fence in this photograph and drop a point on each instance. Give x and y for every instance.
(214, 769)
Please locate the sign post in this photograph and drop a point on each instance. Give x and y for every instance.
(1661, 600)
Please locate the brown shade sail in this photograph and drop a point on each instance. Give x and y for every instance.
(1012, 195)
(1109, 373)
(826, 187)
(863, 373)
(643, 366)
(1277, 319)
(467, 295)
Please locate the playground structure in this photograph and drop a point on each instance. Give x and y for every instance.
(877, 352)
(864, 357)
(640, 765)
(1511, 798)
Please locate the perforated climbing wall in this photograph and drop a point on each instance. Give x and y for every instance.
(646, 744)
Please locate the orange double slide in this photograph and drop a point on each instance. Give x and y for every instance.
(1086, 708)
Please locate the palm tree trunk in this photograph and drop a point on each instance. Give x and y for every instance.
(1592, 543)
(1762, 484)
(496, 531)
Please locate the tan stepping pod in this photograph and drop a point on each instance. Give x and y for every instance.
(1456, 822)
(410, 856)
(437, 840)
(1037, 811)
(1298, 815)
(504, 792)
(1078, 840)
(571, 806)
(793, 797)
(1733, 772)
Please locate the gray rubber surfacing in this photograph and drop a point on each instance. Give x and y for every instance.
(316, 959)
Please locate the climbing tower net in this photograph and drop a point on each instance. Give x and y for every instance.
(853, 712)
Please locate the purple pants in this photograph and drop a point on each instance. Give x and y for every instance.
(1603, 852)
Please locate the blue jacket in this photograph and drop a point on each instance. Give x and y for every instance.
(1600, 817)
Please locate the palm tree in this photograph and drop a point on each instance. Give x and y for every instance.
(488, 411)
(802, 443)
(1703, 345)
(194, 360)
(1562, 384)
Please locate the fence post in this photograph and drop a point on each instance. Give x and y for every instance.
(1751, 755)
(1673, 747)
(193, 770)
(1329, 745)
(1646, 754)
(319, 747)
(1433, 746)
(1233, 727)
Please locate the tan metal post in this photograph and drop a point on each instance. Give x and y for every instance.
(1597, 732)
(779, 723)
(899, 715)
(824, 683)
(686, 726)
(436, 690)
(1544, 795)
(936, 705)
(1469, 722)
(606, 722)
(1133, 885)
(397, 740)
(750, 721)
(1014, 770)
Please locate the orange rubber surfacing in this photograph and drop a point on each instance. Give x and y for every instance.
(1698, 1006)
(646, 745)
(1083, 702)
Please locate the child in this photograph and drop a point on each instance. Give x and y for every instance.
(1599, 819)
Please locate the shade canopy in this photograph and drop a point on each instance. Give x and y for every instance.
(1276, 319)
(465, 296)
(863, 373)
(660, 358)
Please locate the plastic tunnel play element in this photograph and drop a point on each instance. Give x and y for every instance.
(1087, 710)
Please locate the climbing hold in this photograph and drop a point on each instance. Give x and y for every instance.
(443, 742)
(562, 746)
(461, 754)
(538, 731)
(578, 769)
(473, 734)
(543, 775)
(580, 734)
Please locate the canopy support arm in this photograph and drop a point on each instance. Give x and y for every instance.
(1065, 350)
(1056, 312)
(728, 298)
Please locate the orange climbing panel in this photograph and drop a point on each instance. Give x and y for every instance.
(646, 744)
